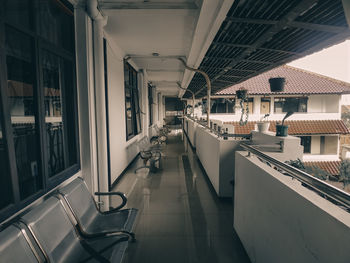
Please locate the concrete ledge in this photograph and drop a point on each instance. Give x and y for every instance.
(279, 220)
(217, 158)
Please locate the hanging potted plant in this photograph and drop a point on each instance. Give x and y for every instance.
(263, 125)
(277, 84)
(281, 129)
(241, 93)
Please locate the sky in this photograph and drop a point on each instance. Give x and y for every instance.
(333, 62)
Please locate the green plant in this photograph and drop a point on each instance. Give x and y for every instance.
(313, 170)
(344, 172)
(297, 164)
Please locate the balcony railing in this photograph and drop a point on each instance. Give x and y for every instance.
(328, 191)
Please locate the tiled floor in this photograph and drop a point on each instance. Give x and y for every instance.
(180, 217)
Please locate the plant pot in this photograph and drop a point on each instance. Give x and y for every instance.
(277, 84)
(241, 94)
(263, 126)
(282, 130)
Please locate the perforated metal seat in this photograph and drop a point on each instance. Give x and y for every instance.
(17, 247)
(59, 241)
(90, 220)
(149, 153)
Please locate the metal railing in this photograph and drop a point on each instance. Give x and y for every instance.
(326, 190)
(218, 134)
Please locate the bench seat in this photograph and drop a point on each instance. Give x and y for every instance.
(59, 241)
(90, 220)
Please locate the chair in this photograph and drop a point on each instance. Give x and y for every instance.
(149, 153)
(90, 221)
(161, 137)
(59, 241)
(16, 246)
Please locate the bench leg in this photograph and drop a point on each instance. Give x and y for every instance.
(145, 166)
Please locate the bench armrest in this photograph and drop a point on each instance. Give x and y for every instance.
(122, 196)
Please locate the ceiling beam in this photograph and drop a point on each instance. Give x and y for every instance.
(303, 25)
(241, 60)
(108, 5)
(248, 46)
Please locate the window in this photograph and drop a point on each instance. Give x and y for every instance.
(290, 104)
(222, 106)
(132, 108)
(265, 106)
(306, 142)
(150, 104)
(38, 115)
(250, 105)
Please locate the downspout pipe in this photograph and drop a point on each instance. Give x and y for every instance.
(193, 96)
(93, 10)
(205, 75)
(98, 22)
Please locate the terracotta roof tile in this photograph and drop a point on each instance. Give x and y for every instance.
(299, 127)
(298, 81)
(332, 167)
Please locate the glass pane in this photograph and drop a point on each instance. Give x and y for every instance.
(6, 194)
(19, 12)
(53, 112)
(69, 102)
(21, 91)
(56, 23)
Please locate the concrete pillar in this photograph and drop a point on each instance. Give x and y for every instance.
(101, 127)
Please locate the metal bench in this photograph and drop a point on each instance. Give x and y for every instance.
(59, 241)
(90, 221)
(17, 246)
(149, 153)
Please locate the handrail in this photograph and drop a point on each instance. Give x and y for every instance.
(218, 134)
(335, 194)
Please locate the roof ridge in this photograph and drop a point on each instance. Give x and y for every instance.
(317, 74)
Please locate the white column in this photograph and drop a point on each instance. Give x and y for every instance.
(86, 97)
(100, 110)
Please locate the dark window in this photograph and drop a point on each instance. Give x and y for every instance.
(306, 142)
(38, 109)
(222, 106)
(6, 193)
(290, 104)
(265, 106)
(21, 97)
(150, 104)
(132, 107)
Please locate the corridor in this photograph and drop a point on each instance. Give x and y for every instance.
(180, 217)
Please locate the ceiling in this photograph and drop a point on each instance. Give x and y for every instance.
(258, 35)
(142, 28)
(154, 33)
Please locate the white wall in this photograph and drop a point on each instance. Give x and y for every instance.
(217, 157)
(320, 107)
(122, 152)
(279, 220)
(323, 103)
(315, 144)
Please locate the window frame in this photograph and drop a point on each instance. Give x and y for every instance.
(306, 139)
(285, 101)
(150, 104)
(226, 106)
(132, 87)
(65, 56)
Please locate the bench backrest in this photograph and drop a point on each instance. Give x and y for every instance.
(54, 232)
(144, 144)
(80, 201)
(16, 247)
